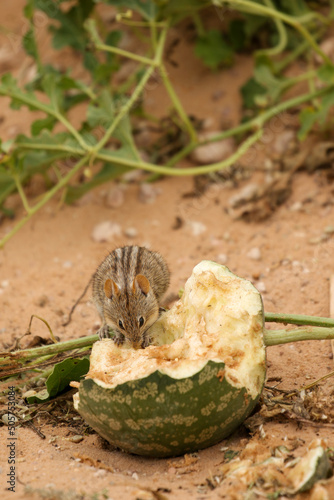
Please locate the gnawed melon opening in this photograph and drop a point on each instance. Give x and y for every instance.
(219, 318)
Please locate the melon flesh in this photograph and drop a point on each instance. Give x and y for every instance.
(201, 376)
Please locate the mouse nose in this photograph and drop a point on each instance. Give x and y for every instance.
(137, 345)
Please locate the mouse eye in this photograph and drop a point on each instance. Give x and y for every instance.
(120, 324)
(141, 321)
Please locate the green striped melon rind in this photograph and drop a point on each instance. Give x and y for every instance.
(159, 416)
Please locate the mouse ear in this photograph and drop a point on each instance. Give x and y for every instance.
(111, 288)
(142, 283)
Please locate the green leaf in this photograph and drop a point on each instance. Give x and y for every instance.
(103, 111)
(307, 117)
(29, 39)
(45, 123)
(70, 30)
(7, 184)
(249, 91)
(253, 24)
(47, 139)
(146, 8)
(40, 397)
(236, 34)
(30, 44)
(213, 50)
(71, 369)
(326, 73)
(175, 10)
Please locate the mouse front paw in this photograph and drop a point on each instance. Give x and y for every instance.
(146, 342)
(103, 332)
(119, 339)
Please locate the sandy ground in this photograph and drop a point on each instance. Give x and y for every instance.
(46, 265)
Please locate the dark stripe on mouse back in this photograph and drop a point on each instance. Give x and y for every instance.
(138, 263)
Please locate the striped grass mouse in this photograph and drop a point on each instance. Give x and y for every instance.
(127, 287)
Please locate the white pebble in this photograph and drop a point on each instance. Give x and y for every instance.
(148, 192)
(131, 232)
(222, 258)
(100, 473)
(106, 231)
(67, 264)
(254, 254)
(296, 207)
(327, 46)
(115, 197)
(4, 283)
(283, 140)
(196, 228)
(213, 152)
(135, 476)
(260, 285)
(8, 418)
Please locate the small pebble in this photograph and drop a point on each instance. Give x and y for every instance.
(319, 492)
(329, 230)
(4, 283)
(133, 175)
(131, 232)
(222, 258)
(144, 495)
(317, 239)
(213, 152)
(148, 192)
(100, 473)
(135, 476)
(106, 231)
(261, 287)
(282, 141)
(196, 228)
(115, 197)
(76, 439)
(254, 254)
(296, 207)
(8, 418)
(67, 264)
(41, 382)
(327, 46)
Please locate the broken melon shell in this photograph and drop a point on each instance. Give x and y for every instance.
(198, 381)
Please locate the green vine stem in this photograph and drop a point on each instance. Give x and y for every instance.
(61, 184)
(90, 26)
(283, 37)
(152, 63)
(256, 123)
(296, 22)
(22, 355)
(278, 337)
(299, 319)
(47, 109)
(11, 360)
(177, 103)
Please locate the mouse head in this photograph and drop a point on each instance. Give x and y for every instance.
(131, 310)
